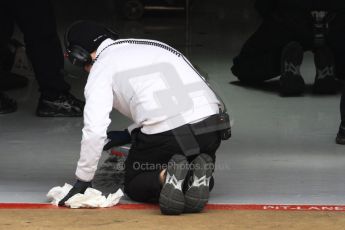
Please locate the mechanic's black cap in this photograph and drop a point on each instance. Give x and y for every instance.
(88, 35)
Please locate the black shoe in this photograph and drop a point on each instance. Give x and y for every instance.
(7, 105)
(325, 82)
(66, 105)
(341, 136)
(171, 199)
(198, 190)
(291, 81)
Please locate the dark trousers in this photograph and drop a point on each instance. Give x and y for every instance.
(260, 56)
(342, 107)
(149, 155)
(37, 22)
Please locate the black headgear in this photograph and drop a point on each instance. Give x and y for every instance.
(83, 38)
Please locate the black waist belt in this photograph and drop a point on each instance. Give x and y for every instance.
(211, 124)
(185, 135)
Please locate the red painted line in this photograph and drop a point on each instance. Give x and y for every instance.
(229, 207)
(272, 207)
(26, 206)
(136, 206)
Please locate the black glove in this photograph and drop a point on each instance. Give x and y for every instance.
(79, 187)
(117, 138)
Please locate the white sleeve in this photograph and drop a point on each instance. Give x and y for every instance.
(99, 104)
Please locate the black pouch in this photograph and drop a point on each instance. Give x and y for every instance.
(219, 122)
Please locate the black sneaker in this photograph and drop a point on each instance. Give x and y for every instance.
(198, 190)
(341, 136)
(325, 82)
(291, 81)
(66, 105)
(7, 105)
(171, 199)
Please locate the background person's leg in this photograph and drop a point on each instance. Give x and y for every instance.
(260, 56)
(37, 22)
(7, 105)
(7, 28)
(335, 40)
(342, 108)
(341, 134)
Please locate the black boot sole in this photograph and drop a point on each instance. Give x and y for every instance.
(291, 84)
(324, 63)
(196, 197)
(171, 199)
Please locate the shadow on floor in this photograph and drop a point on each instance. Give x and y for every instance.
(273, 86)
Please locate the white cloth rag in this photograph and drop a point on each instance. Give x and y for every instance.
(92, 198)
